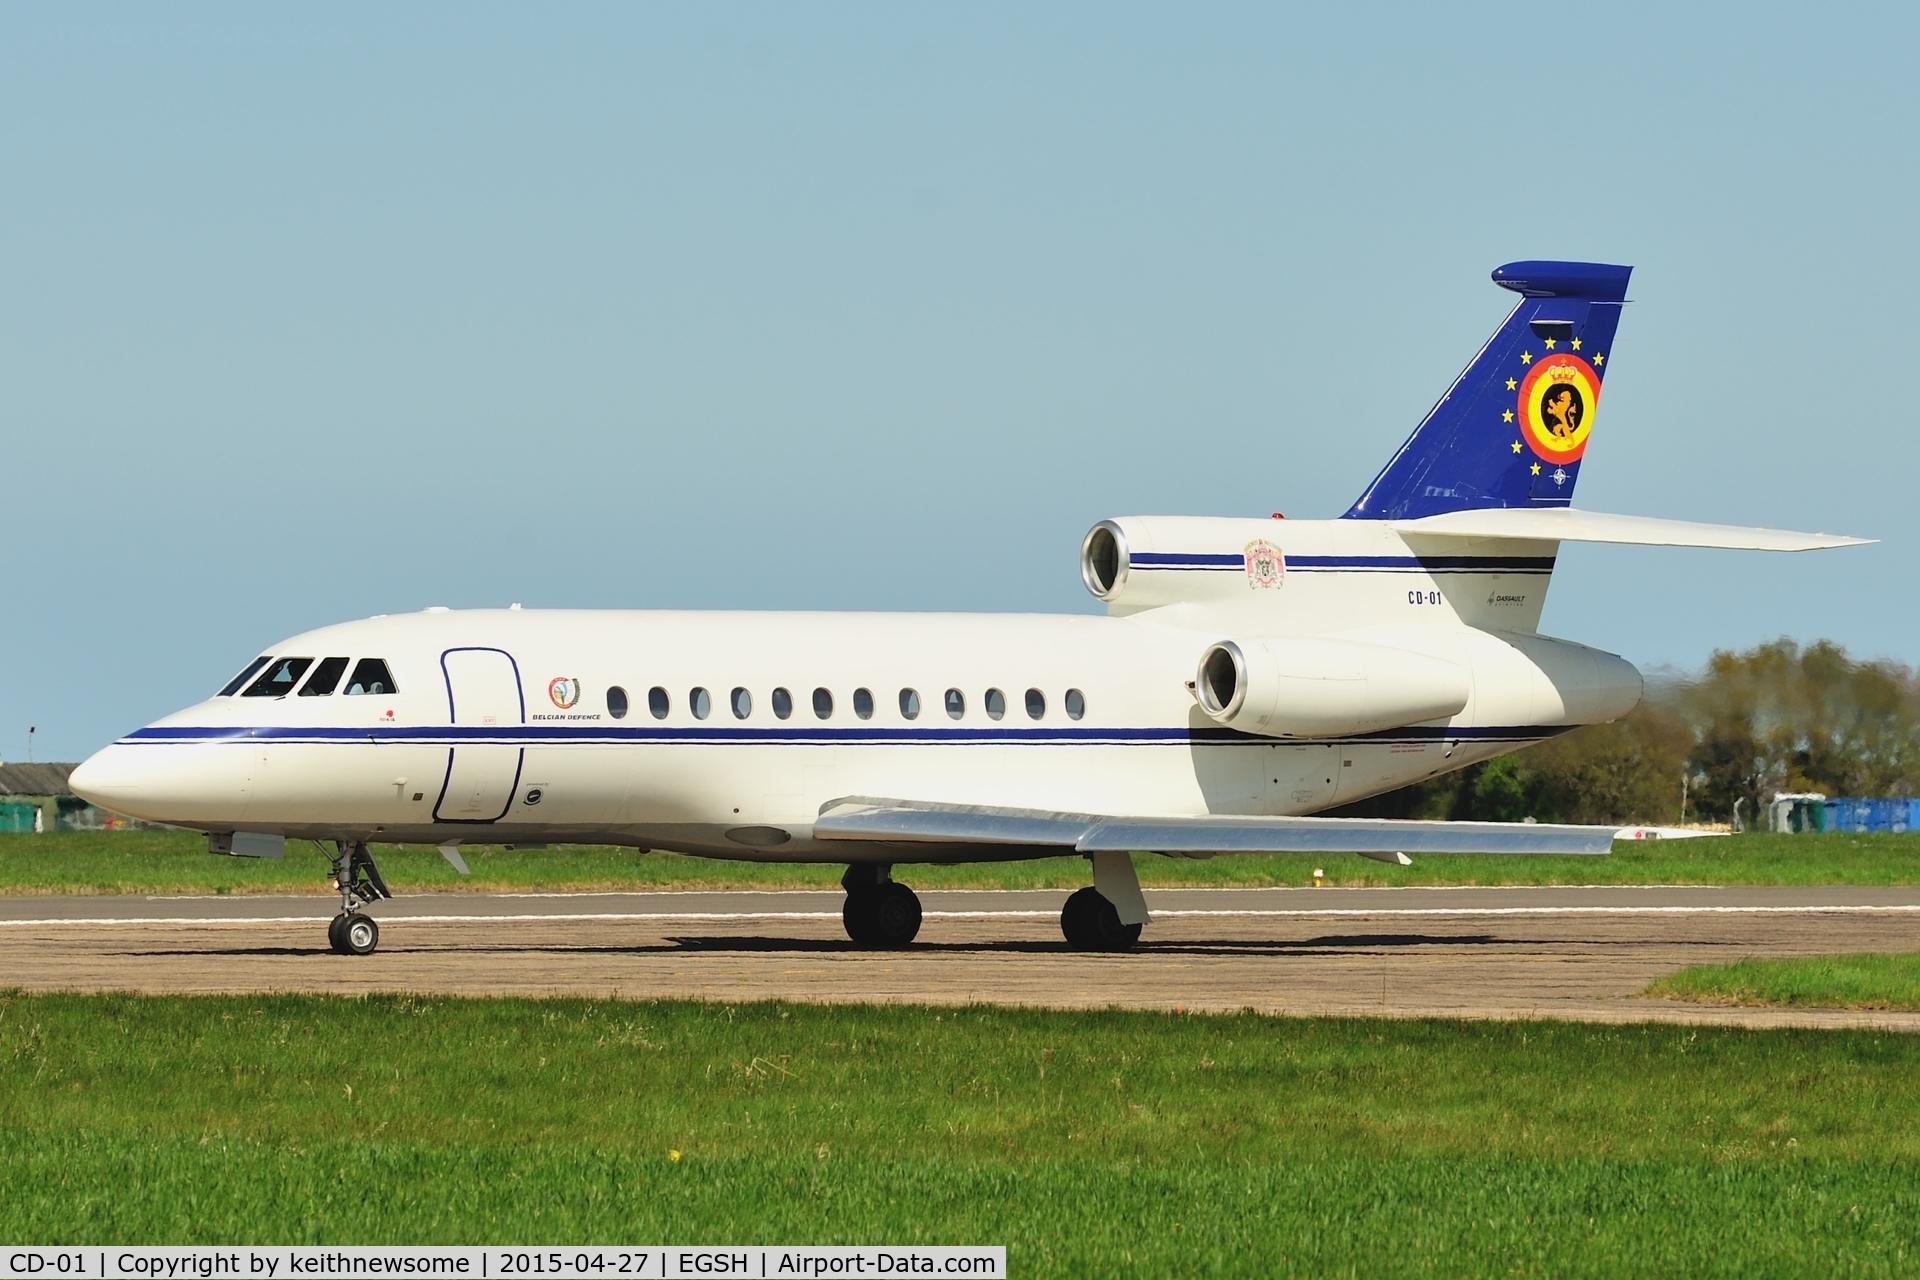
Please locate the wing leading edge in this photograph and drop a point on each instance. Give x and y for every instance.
(859, 818)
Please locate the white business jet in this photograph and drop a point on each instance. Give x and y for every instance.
(1248, 673)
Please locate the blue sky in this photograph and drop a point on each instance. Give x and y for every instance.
(312, 313)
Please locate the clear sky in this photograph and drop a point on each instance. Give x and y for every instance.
(314, 312)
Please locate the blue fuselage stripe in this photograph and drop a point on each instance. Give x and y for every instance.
(797, 735)
(1373, 564)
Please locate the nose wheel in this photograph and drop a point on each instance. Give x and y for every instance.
(359, 881)
(354, 935)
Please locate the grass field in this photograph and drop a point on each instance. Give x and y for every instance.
(1864, 981)
(163, 862)
(1102, 1143)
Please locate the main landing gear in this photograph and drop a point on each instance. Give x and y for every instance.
(359, 882)
(879, 912)
(1091, 923)
(1108, 914)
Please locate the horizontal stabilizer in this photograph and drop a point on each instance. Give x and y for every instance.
(859, 818)
(1565, 524)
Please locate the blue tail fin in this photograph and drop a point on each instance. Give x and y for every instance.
(1511, 430)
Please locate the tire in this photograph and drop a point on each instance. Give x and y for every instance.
(1091, 923)
(361, 934)
(857, 914)
(896, 916)
(334, 937)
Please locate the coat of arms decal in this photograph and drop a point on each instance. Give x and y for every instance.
(1266, 565)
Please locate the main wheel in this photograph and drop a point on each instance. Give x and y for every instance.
(360, 934)
(885, 915)
(857, 914)
(896, 916)
(335, 938)
(1091, 923)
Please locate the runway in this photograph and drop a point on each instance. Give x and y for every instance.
(1465, 952)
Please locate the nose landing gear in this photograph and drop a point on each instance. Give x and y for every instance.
(879, 912)
(359, 882)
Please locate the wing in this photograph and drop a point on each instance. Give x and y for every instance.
(1564, 524)
(1035, 832)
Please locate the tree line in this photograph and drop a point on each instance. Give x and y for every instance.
(1778, 717)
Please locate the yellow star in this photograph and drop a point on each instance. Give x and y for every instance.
(1535, 468)
(1516, 446)
(1550, 342)
(1526, 357)
(1576, 344)
(1511, 384)
(1507, 416)
(1599, 359)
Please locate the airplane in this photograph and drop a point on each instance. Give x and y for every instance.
(1248, 675)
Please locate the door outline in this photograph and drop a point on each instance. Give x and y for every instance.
(520, 759)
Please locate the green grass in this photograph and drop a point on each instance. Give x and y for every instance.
(167, 862)
(1099, 1143)
(1864, 981)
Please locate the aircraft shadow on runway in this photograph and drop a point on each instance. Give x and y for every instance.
(1326, 946)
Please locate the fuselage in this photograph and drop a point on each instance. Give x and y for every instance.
(724, 734)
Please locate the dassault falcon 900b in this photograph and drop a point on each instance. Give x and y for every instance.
(1248, 673)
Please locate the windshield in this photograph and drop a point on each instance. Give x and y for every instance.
(233, 685)
(324, 678)
(278, 679)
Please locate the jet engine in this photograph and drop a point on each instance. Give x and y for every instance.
(1307, 687)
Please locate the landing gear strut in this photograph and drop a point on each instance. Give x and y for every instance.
(359, 882)
(879, 911)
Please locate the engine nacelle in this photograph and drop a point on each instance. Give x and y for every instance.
(1306, 687)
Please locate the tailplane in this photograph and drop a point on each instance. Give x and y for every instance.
(1512, 429)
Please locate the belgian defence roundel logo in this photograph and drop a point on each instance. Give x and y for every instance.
(565, 691)
(1557, 400)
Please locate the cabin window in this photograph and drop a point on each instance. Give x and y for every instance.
(278, 679)
(863, 703)
(657, 702)
(782, 704)
(617, 702)
(956, 703)
(996, 704)
(325, 678)
(370, 675)
(1036, 704)
(742, 703)
(910, 703)
(699, 703)
(822, 703)
(1076, 704)
(233, 686)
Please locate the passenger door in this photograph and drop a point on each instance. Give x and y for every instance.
(483, 692)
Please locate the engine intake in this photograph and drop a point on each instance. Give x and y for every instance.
(1307, 687)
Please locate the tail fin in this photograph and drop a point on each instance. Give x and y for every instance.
(1511, 430)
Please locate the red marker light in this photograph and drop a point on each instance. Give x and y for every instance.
(1278, 516)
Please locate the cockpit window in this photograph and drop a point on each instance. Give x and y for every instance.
(278, 679)
(233, 685)
(325, 678)
(370, 675)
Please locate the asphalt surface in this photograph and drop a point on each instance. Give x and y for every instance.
(1467, 952)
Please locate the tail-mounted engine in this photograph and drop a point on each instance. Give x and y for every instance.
(1306, 687)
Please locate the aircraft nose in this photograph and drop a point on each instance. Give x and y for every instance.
(109, 778)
